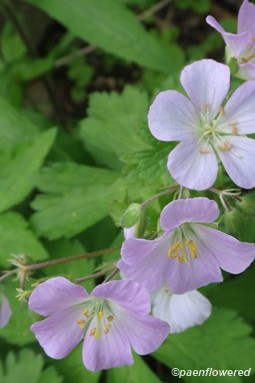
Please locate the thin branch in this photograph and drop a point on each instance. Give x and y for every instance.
(155, 196)
(111, 275)
(153, 9)
(94, 276)
(8, 274)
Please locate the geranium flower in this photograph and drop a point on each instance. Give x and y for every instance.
(180, 311)
(189, 254)
(208, 131)
(5, 311)
(112, 319)
(240, 46)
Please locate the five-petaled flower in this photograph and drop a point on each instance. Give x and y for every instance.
(189, 254)
(5, 311)
(112, 319)
(240, 46)
(207, 129)
(180, 311)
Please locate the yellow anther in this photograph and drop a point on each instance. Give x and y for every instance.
(222, 111)
(93, 331)
(204, 151)
(81, 323)
(192, 248)
(100, 314)
(234, 130)
(225, 147)
(107, 328)
(86, 313)
(181, 259)
(110, 318)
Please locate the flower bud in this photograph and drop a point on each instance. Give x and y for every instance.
(247, 203)
(233, 221)
(131, 215)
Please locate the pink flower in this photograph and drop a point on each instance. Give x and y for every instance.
(240, 46)
(208, 131)
(180, 311)
(111, 320)
(5, 311)
(189, 254)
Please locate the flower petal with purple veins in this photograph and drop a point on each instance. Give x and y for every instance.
(59, 333)
(239, 159)
(206, 83)
(54, 295)
(232, 255)
(198, 209)
(171, 117)
(239, 111)
(193, 166)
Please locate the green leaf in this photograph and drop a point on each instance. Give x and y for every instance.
(15, 128)
(77, 197)
(19, 166)
(73, 369)
(16, 238)
(137, 373)
(222, 342)
(242, 288)
(27, 367)
(17, 330)
(109, 131)
(107, 24)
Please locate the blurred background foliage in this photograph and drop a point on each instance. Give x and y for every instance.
(76, 80)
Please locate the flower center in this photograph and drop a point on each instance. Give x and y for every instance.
(213, 133)
(99, 316)
(182, 248)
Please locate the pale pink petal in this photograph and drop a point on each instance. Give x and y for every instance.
(5, 311)
(172, 117)
(247, 71)
(239, 112)
(246, 17)
(192, 165)
(239, 161)
(206, 83)
(199, 209)
(59, 333)
(145, 333)
(196, 273)
(150, 270)
(56, 294)
(109, 350)
(236, 43)
(180, 311)
(232, 255)
(127, 293)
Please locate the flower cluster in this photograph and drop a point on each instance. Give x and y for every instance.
(157, 294)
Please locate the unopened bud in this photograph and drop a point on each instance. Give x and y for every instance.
(247, 203)
(131, 215)
(233, 221)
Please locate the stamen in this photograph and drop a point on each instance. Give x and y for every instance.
(204, 151)
(86, 313)
(181, 259)
(174, 250)
(81, 323)
(93, 332)
(234, 130)
(100, 314)
(206, 108)
(225, 147)
(192, 248)
(107, 328)
(110, 318)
